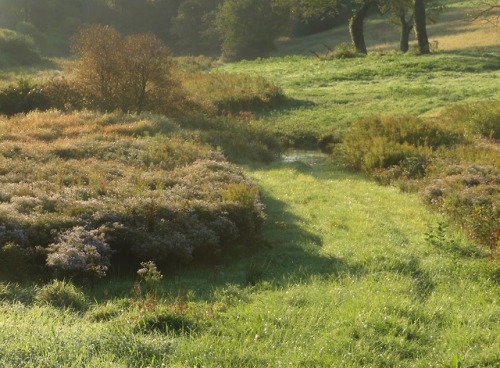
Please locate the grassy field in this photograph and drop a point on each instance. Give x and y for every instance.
(350, 279)
(327, 95)
(352, 273)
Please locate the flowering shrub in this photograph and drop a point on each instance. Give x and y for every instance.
(80, 185)
(80, 251)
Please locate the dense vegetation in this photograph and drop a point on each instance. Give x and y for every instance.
(142, 186)
(235, 29)
(274, 263)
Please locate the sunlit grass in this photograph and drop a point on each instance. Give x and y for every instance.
(353, 274)
(349, 279)
(326, 96)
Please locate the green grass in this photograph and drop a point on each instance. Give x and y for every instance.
(349, 280)
(328, 95)
(354, 274)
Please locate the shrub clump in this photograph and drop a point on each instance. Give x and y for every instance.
(382, 142)
(23, 97)
(222, 93)
(17, 49)
(79, 185)
(482, 119)
(62, 294)
(80, 252)
(469, 195)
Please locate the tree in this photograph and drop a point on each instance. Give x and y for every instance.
(421, 26)
(131, 74)
(360, 9)
(401, 13)
(100, 67)
(248, 28)
(193, 27)
(356, 25)
(488, 11)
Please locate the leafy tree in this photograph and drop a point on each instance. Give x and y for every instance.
(410, 14)
(193, 27)
(401, 12)
(248, 28)
(131, 73)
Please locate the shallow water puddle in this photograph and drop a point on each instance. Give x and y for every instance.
(311, 157)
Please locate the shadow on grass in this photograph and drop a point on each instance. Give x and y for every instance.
(287, 108)
(288, 254)
(476, 60)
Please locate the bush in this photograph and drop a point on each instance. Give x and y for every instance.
(143, 185)
(16, 261)
(482, 119)
(22, 98)
(131, 74)
(381, 142)
(80, 252)
(470, 196)
(62, 294)
(220, 93)
(17, 49)
(150, 275)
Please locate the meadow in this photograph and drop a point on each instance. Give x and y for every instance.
(347, 272)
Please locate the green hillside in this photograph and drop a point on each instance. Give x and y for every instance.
(348, 271)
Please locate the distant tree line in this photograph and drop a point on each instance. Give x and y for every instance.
(236, 29)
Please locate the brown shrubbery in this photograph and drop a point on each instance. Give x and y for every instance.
(131, 73)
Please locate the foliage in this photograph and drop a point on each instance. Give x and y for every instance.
(17, 49)
(482, 118)
(17, 262)
(248, 28)
(150, 275)
(140, 184)
(470, 196)
(193, 27)
(22, 98)
(80, 252)
(131, 73)
(381, 142)
(222, 93)
(62, 294)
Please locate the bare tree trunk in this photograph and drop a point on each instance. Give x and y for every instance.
(406, 27)
(356, 27)
(421, 26)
